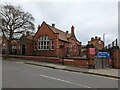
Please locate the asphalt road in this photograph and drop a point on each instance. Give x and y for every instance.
(20, 75)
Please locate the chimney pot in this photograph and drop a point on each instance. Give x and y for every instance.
(53, 25)
(92, 38)
(99, 38)
(96, 37)
(66, 32)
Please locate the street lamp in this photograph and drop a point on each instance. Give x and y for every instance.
(104, 40)
(103, 49)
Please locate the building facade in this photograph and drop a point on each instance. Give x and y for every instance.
(50, 41)
(97, 42)
(47, 41)
(21, 46)
(26, 44)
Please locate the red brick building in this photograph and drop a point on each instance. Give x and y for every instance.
(97, 42)
(26, 44)
(50, 41)
(21, 46)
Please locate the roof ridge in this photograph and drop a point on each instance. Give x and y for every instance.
(56, 28)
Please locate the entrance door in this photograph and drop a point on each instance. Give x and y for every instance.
(23, 49)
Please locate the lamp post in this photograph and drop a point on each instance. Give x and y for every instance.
(103, 49)
(104, 40)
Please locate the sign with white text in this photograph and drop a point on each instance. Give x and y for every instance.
(103, 54)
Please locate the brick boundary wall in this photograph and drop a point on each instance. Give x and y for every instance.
(39, 58)
(117, 61)
(79, 62)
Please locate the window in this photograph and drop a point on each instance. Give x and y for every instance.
(4, 45)
(99, 42)
(75, 49)
(52, 44)
(43, 43)
(70, 47)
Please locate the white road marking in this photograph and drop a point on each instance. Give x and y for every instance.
(64, 81)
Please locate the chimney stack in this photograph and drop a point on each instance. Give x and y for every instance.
(92, 39)
(72, 31)
(99, 38)
(96, 37)
(53, 25)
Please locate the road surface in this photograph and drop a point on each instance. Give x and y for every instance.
(20, 75)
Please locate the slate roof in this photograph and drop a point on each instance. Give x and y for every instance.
(62, 35)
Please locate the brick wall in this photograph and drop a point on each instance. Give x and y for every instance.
(97, 42)
(38, 58)
(78, 62)
(45, 31)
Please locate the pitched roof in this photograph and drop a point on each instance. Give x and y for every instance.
(62, 35)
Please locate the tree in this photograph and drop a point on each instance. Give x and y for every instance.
(14, 21)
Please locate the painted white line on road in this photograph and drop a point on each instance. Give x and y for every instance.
(73, 72)
(64, 81)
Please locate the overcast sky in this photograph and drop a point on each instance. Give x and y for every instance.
(90, 17)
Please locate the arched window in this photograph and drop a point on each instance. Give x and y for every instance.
(43, 43)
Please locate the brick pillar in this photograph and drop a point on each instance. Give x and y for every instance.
(57, 44)
(90, 53)
(116, 57)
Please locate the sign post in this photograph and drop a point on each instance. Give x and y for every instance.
(103, 55)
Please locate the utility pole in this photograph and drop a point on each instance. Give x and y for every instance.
(103, 49)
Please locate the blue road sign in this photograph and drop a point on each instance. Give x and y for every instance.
(103, 54)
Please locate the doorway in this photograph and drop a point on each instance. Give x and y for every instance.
(23, 49)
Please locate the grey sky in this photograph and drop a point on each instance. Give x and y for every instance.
(89, 18)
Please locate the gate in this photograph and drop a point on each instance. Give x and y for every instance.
(103, 59)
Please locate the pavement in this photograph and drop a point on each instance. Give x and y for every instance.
(106, 72)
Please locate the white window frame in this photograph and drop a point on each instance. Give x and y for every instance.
(43, 43)
(99, 42)
(52, 45)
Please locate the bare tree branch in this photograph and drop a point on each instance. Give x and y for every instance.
(14, 20)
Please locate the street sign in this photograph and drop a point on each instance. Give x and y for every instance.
(103, 54)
